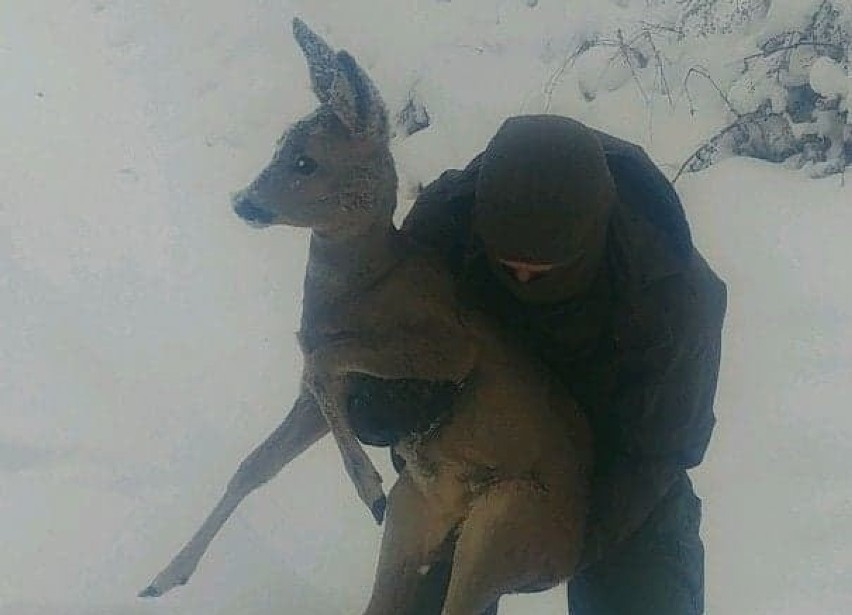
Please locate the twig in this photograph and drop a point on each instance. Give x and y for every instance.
(648, 25)
(766, 54)
(704, 146)
(664, 83)
(556, 77)
(816, 14)
(570, 59)
(624, 49)
(703, 72)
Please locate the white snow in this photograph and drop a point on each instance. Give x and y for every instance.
(146, 334)
(828, 78)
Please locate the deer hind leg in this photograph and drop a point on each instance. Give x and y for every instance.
(303, 426)
(418, 531)
(516, 536)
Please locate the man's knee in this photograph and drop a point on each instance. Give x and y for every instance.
(659, 570)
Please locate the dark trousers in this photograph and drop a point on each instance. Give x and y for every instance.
(658, 571)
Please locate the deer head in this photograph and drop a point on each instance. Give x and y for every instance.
(332, 170)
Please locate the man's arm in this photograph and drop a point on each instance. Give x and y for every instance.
(665, 417)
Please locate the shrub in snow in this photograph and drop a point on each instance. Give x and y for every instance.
(826, 136)
(800, 72)
(760, 134)
(705, 17)
(780, 65)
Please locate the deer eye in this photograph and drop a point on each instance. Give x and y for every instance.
(304, 165)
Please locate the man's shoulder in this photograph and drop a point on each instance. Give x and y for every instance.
(454, 188)
(440, 217)
(646, 191)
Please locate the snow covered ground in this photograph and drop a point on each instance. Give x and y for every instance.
(146, 334)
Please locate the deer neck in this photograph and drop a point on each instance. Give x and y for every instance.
(340, 266)
(342, 262)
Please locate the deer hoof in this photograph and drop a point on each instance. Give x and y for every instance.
(378, 509)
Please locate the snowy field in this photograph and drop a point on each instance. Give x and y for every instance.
(146, 334)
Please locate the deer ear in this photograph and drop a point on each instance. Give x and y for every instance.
(322, 63)
(356, 101)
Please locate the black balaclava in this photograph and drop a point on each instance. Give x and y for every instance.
(544, 195)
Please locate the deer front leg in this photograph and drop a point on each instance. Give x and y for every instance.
(329, 389)
(303, 427)
(422, 354)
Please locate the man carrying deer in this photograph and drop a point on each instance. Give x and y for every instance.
(576, 246)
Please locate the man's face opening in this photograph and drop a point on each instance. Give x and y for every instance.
(525, 272)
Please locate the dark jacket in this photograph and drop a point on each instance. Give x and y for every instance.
(640, 351)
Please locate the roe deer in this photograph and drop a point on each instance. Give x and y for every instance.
(505, 475)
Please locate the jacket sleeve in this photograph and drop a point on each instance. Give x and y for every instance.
(663, 407)
(664, 401)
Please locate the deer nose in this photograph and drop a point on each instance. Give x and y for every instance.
(247, 209)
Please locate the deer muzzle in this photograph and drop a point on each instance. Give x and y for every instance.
(247, 208)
